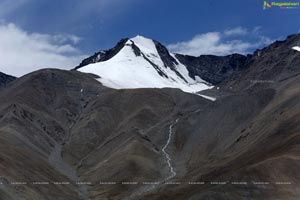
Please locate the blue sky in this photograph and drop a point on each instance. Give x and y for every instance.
(60, 33)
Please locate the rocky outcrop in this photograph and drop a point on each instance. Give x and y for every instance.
(5, 79)
(214, 69)
(103, 55)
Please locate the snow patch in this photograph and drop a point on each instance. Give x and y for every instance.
(207, 97)
(297, 48)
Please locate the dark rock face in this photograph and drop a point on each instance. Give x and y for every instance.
(167, 59)
(5, 79)
(103, 55)
(138, 52)
(214, 69)
(274, 63)
(164, 53)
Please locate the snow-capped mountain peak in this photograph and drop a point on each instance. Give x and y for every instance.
(143, 43)
(140, 62)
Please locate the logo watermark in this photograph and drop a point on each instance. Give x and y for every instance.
(282, 5)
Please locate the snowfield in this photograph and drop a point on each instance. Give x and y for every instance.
(128, 71)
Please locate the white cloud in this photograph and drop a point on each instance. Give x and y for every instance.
(23, 52)
(222, 43)
(236, 31)
(66, 38)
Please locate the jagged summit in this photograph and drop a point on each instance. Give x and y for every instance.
(140, 62)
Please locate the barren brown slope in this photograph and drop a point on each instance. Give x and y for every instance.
(60, 126)
(118, 135)
(250, 135)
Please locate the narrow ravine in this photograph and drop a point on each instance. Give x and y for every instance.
(56, 160)
(166, 154)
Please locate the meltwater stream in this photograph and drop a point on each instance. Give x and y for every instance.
(167, 156)
(146, 189)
